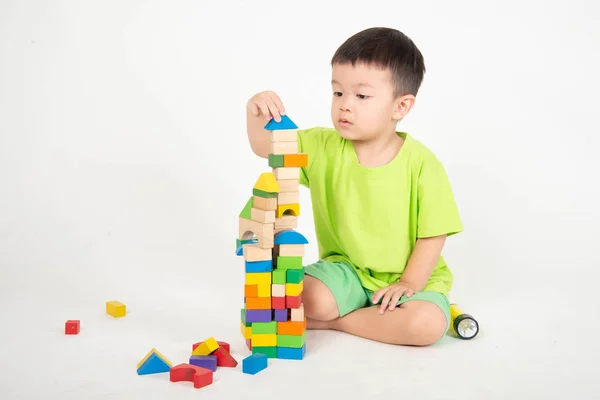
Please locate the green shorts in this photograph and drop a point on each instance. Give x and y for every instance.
(350, 295)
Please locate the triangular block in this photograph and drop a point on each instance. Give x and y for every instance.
(153, 363)
(224, 358)
(247, 211)
(267, 183)
(285, 123)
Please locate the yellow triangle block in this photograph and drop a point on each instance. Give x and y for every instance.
(267, 183)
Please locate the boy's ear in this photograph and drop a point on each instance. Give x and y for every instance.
(403, 105)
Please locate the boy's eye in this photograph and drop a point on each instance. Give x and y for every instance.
(337, 94)
(362, 96)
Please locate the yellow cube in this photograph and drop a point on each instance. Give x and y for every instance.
(294, 289)
(116, 309)
(246, 331)
(258, 278)
(264, 290)
(205, 348)
(264, 340)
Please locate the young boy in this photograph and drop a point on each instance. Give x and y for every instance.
(383, 206)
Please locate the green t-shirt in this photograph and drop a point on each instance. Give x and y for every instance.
(371, 218)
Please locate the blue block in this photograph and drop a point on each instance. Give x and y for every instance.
(153, 365)
(254, 363)
(290, 237)
(289, 353)
(286, 123)
(259, 266)
(239, 251)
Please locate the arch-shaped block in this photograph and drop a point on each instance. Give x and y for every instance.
(288, 209)
(290, 237)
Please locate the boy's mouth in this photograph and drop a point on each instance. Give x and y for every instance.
(344, 122)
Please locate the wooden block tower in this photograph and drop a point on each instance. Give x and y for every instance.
(272, 319)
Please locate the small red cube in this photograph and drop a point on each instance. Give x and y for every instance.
(278, 303)
(72, 327)
(293, 301)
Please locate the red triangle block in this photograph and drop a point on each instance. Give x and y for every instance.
(224, 358)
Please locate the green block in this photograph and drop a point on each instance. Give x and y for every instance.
(244, 318)
(239, 242)
(264, 327)
(261, 193)
(278, 276)
(295, 275)
(270, 352)
(289, 262)
(247, 211)
(291, 341)
(276, 160)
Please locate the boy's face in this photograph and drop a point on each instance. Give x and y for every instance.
(363, 105)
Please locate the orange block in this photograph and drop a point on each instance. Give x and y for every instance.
(291, 328)
(295, 160)
(258, 303)
(250, 290)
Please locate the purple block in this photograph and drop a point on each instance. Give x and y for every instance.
(258, 315)
(281, 315)
(208, 362)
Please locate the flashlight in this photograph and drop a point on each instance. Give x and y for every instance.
(464, 325)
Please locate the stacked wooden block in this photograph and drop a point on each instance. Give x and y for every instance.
(272, 320)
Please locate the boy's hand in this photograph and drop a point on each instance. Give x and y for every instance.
(268, 104)
(391, 295)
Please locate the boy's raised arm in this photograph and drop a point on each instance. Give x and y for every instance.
(261, 108)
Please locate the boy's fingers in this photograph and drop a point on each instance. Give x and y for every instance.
(274, 110)
(278, 103)
(254, 109)
(396, 298)
(385, 301)
(264, 108)
(377, 295)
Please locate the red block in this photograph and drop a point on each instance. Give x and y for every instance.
(249, 344)
(225, 345)
(72, 327)
(224, 358)
(293, 301)
(278, 303)
(191, 373)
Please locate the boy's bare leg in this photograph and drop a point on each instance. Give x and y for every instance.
(417, 323)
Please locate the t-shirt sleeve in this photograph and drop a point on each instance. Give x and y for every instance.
(308, 143)
(437, 210)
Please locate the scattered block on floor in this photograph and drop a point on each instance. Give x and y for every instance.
(72, 327)
(254, 363)
(201, 377)
(224, 358)
(115, 309)
(153, 363)
(206, 347)
(208, 362)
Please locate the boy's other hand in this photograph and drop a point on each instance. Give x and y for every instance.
(268, 104)
(391, 295)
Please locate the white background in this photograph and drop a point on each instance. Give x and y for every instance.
(124, 165)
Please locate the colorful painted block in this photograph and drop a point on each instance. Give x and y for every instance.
(250, 290)
(278, 290)
(254, 363)
(246, 330)
(288, 209)
(291, 340)
(297, 314)
(153, 363)
(287, 353)
(73, 326)
(279, 276)
(281, 315)
(278, 303)
(270, 352)
(263, 194)
(222, 345)
(264, 327)
(259, 266)
(291, 328)
(293, 301)
(258, 303)
(201, 377)
(115, 309)
(267, 183)
(290, 237)
(295, 160)
(259, 315)
(294, 275)
(285, 123)
(258, 278)
(289, 262)
(224, 358)
(264, 340)
(245, 213)
(206, 347)
(294, 289)
(264, 291)
(208, 362)
(276, 160)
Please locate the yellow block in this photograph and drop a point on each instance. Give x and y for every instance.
(154, 351)
(258, 278)
(205, 348)
(291, 209)
(115, 308)
(246, 331)
(294, 289)
(265, 340)
(267, 183)
(264, 290)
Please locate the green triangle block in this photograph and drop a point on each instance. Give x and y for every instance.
(247, 211)
(262, 193)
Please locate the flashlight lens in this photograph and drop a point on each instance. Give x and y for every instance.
(467, 328)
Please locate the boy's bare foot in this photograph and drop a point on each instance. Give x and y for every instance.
(316, 324)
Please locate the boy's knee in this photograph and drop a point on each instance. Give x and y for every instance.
(318, 300)
(426, 326)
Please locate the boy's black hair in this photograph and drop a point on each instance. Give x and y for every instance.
(389, 49)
